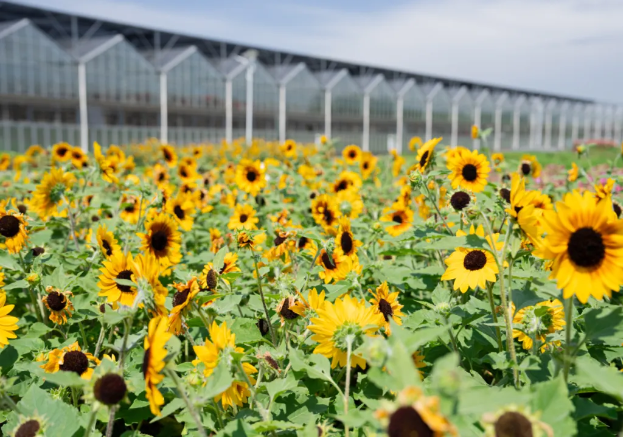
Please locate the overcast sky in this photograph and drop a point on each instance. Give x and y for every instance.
(570, 47)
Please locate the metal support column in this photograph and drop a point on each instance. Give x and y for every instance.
(327, 113)
(400, 102)
(229, 112)
(497, 138)
(562, 125)
(249, 121)
(282, 113)
(429, 109)
(454, 138)
(164, 109)
(517, 120)
(478, 114)
(82, 97)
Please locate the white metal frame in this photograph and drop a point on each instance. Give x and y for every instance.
(499, 107)
(519, 101)
(283, 83)
(456, 99)
(400, 112)
(376, 80)
(562, 124)
(328, 90)
(429, 109)
(478, 113)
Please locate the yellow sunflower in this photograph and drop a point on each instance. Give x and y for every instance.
(5, 161)
(289, 149)
(284, 309)
(35, 151)
(401, 216)
(497, 159)
(229, 266)
(308, 245)
(243, 218)
(475, 132)
(336, 267)
(470, 268)
(414, 143)
(183, 209)
(160, 175)
(182, 299)
(48, 195)
(387, 304)
(309, 307)
(106, 169)
(425, 154)
(347, 180)
(162, 239)
(349, 204)
(573, 173)
(367, 164)
(70, 359)
(281, 246)
(59, 305)
(351, 154)
(521, 208)
(216, 240)
(107, 243)
(146, 268)
(340, 320)
(604, 191)
(187, 173)
(61, 152)
(325, 211)
(250, 176)
(584, 239)
(79, 159)
(132, 208)
(8, 324)
(13, 229)
(169, 155)
(153, 361)
(221, 341)
(530, 166)
(532, 323)
(345, 243)
(469, 171)
(118, 266)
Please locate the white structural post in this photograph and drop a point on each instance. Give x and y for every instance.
(327, 113)
(618, 119)
(536, 131)
(282, 113)
(478, 114)
(497, 138)
(164, 109)
(587, 122)
(549, 109)
(366, 110)
(82, 95)
(429, 109)
(575, 123)
(400, 104)
(598, 117)
(608, 116)
(249, 121)
(562, 125)
(517, 120)
(454, 139)
(229, 110)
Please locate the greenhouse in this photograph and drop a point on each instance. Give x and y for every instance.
(84, 80)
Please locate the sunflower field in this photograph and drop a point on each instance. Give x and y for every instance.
(291, 290)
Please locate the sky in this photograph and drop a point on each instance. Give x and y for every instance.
(567, 47)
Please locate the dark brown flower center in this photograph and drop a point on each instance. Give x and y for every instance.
(22, 208)
(586, 248)
(352, 154)
(9, 226)
(302, 242)
(366, 165)
(179, 212)
(251, 176)
(61, 151)
(75, 361)
(127, 275)
(469, 172)
(327, 261)
(36, 251)
(513, 424)
(346, 242)
(167, 155)
(424, 159)
(243, 218)
(386, 309)
(328, 216)
(286, 312)
(183, 173)
(28, 429)
(145, 366)
(617, 209)
(159, 240)
(130, 208)
(180, 297)
(342, 185)
(262, 325)
(398, 218)
(526, 168)
(211, 279)
(107, 247)
(460, 200)
(406, 422)
(279, 240)
(475, 260)
(505, 194)
(56, 301)
(110, 389)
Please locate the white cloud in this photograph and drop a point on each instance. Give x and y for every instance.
(569, 47)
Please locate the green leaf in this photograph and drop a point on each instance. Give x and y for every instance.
(246, 330)
(280, 385)
(219, 381)
(321, 369)
(604, 325)
(551, 399)
(22, 283)
(590, 373)
(169, 409)
(8, 262)
(219, 259)
(125, 282)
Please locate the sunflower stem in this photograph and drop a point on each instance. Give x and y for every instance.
(72, 224)
(85, 343)
(100, 340)
(495, 317)
(568, 329)
(111, 421)
(127, 324)
(263, 411)
(432, 200)
(259, 285)
(219, 418)
(91, 422)
(349, 350)
(191, 409)
(33, 299)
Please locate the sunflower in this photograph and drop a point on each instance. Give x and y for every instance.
(79, 159)
(243, 218)
(367, 164)
(469, 171)
(387, 304)
(325, 211)
(347, 180)
(160, 175)
(8, 324)
(118, 266)
(397, 163)
(349, 204)
(107, 243)
(187, 173)
(132, 209)
(48, 195)
(351, 154)
(13, 229)
(221, 341)
(61, 152)
(497, 159)
(284, 309)
(522, 209)
(414, 143)
(401, 216)
(106, 169)
(216, 240)
(309, 307)
(146, 268)
(585, 242)
(336, 322)
(573, 173)
(59, 305)
(153, 361)
(182, 299)
(250, 176)
(5, 161)
(70, 359)
(475, 132)
(604, 191)
(169, 155)
(425, 155)
(533, 323)
(345, 243)
(415, 414)
(470, 268)
(162, 239)
(289, 149)
(281, 245)
(529, 166)
(308, 245)
(512, 420)
(480, 231)
(183, 209)
(229, 266)
(336, 267)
